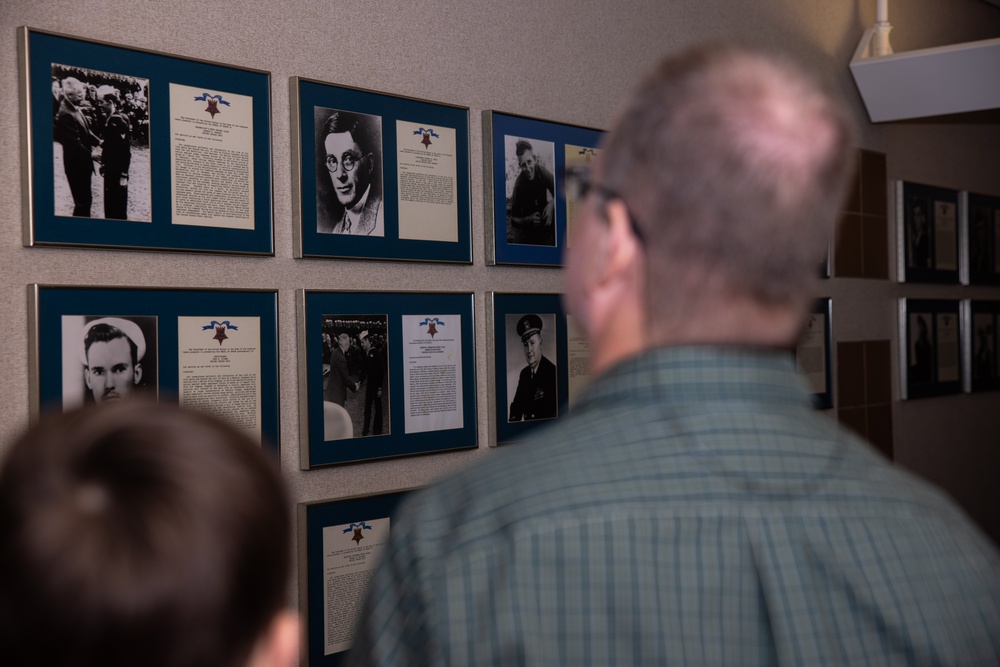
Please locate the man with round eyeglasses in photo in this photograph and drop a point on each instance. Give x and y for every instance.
(351, 152)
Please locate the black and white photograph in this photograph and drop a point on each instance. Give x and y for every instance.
(531, 191)
(984, 367)
(983, 220)
(932, 357)
(921, 364)
(919, 234)
(984, 345)
(532, 383)
(355, 377)
(348, 173)
(108, 358)
(101, 144)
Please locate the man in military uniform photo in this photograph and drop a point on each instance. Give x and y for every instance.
(535, 397)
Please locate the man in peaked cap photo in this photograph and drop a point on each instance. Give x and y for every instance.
(535, 397)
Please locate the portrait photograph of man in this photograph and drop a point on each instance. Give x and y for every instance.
(108, 359)
(919, 251)
(922, 345)
(983, 347)
(101, 144)
(355, 376)
(531, 374)
(531, 191)
(348, 173)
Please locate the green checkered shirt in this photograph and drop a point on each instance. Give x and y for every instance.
(692, 510)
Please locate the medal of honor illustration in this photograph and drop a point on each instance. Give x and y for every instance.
(213, 103)
(427, 134)
(357, 528)
(220, 330)
(432, 324)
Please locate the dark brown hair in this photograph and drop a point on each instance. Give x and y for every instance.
(138, 534)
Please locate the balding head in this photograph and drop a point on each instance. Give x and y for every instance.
(73, 89)
(735, 164)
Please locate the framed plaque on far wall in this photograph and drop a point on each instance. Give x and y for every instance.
(927, 223)
(983, 365)
(930, 342)
(982, 218)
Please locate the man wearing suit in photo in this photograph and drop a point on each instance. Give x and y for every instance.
(74, 133)
(339, 379)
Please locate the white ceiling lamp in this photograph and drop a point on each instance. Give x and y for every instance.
(927, 82)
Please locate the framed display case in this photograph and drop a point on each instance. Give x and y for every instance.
(128, 148)
(813, 353)
(385, 374)
(379, 176)
(539, 362)
(981, 215)
(982, 366)
(339, 544)
(533, 173)
(927, 233)
(210, 350)
(930, 341)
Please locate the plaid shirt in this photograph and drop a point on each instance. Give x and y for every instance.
(692, 510)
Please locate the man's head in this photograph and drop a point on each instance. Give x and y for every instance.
(529, 328)
(365, 342)
(141, 534)
(112, 351)
(526, 158)
(74, 90)
(713, 202)
(344, 341)
(108, 98)
(349, 141)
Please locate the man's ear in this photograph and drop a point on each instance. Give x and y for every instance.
(621, 247)
(370, 161)
(279, 647)
(137, 373)
(86, 376)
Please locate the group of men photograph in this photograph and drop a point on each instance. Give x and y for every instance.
(354, 355)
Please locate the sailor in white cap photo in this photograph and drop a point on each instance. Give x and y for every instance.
(112, 353)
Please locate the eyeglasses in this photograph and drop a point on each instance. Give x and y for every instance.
(349, 160)
(607, 194)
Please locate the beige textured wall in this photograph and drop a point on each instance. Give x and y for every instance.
(567, 61)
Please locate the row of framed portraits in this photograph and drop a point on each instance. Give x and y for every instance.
(388, 374)
(947, 236)
(381, 374)
(948, 346)
(128, 148)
